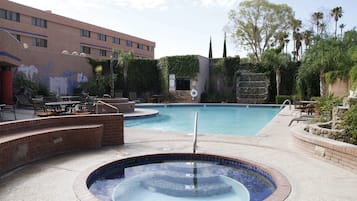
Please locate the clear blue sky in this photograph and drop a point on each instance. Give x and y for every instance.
(180, 27)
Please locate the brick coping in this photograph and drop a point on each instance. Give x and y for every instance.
(341, 153)
(283, 187)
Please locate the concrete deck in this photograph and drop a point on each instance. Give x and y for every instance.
(312, 179)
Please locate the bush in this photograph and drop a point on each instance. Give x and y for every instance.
(349, 123)
(280, 99)
(325, 105)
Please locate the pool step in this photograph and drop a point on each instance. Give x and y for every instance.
(183, 190)
(187, 178)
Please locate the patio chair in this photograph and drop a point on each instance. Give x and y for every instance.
(40, 109)
(6, 109)
(133, 97)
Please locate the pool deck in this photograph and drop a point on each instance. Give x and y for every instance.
(311, 178)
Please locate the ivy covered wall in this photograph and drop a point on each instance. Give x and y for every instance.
(186, 66)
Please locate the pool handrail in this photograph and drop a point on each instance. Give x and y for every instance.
(284, 103)
(195, 133)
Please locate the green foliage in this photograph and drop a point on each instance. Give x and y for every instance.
(349, 123)
(182, 66)
(280, 99)
(213, 97)
(255, 23)
(21, 84)
(332, 76)
(325, 105)
(143, 76)
(353, 76)
(97, 87)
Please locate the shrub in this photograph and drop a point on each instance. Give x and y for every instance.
(349, 123)
(280, 99)
(325, 105)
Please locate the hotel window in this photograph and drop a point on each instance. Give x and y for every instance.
(129, 43)
(85, 33)
(140, 46)
(39, 22)
(85, 49)
(39, 42)
(116, 40)
(182, 84)
(102, 37)
(148, 48)
(9, 15)
(103, 53)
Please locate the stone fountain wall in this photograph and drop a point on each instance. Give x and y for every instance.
(252, 88)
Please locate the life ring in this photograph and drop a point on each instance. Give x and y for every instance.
(194, 93)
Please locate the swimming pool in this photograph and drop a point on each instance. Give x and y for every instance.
(242, 120)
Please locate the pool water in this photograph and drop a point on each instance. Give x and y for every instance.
(182, 181)
(212, 119)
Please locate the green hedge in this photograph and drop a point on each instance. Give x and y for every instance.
(350, 124)
(143, 76)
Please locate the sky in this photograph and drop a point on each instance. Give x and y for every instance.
(181, 27)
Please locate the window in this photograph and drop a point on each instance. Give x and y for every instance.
(85, 33)
(116, 40)
(183, 84)
(102, 37)
(85, 49)
(148, 48)
(9, 15)
(39, 42)
(140, 46)
(39, 22)
(103, 53)
(129, 43)
(17, 36)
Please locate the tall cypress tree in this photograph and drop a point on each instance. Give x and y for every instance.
(210, 48)
(224, 46)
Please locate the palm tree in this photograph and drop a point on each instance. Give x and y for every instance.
(278, 61)
(123, 62)
(316, 17)
(296, 25)
(307, 37)
(342, 26)
(281, 38)
(336, 13)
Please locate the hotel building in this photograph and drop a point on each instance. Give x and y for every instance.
(51, 48)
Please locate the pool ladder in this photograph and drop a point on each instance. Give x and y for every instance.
(284, 103)
(195, 133)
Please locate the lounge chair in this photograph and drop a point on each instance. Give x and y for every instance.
(302, 118)
(7, 109)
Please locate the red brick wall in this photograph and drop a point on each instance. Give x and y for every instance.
(25, 141)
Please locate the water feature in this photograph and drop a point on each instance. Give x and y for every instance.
(252, 88)
(181, 177)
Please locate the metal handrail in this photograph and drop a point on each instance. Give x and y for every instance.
(106, 104)
(195, 133)
(284, 103)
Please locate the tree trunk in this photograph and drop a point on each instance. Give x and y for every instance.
(322, 83)
(277, 78)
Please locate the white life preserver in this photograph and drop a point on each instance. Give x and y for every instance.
(194, 93)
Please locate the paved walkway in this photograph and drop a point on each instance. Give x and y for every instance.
(312, 179)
